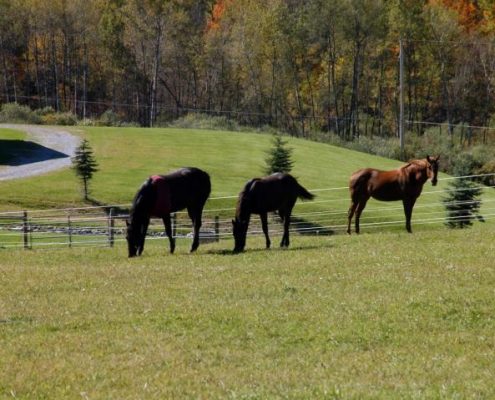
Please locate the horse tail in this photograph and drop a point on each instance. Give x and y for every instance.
(302, 193)
(207, 185)
(358, 181)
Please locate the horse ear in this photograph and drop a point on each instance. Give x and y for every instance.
(233, 223)
(127, 223)
(428, 159)
(438, 157)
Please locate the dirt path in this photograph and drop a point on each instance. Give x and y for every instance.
(50, 138)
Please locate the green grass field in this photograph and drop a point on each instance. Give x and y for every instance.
(381, 315)
(128, 155)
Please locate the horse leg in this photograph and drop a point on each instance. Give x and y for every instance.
(264, 225)
(144, 230)
(350, 214)
(168, 230)
(359, 210)
(195, 216)
(285, 237)
(408, 207)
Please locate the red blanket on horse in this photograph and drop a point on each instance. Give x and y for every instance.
(162, 204)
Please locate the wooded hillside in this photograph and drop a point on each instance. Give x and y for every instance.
(296, 65)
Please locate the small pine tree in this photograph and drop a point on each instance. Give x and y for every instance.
(462, 202)
(279, 156)
(85, 165)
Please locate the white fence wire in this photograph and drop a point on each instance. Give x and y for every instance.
(98, 226)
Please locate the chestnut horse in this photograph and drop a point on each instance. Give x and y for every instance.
(404, 183)
(278, 191)
(161, 195)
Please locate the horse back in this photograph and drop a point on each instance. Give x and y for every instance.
(163, 194)
(189, 187)
(381, 185)
(273, 193)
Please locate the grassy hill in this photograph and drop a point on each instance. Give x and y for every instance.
(127, 156)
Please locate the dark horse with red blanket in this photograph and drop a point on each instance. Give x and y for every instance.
(161, 195)
(404, 183)
(262, 195)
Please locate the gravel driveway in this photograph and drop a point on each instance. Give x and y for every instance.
(51, 138)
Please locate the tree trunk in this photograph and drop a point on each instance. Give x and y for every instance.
(156, 69)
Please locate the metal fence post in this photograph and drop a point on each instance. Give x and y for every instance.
(217, 228)
(69, 229)
(25, 229)
(111, 225)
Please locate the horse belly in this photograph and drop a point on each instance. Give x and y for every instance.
(162, 204)
(387, 192)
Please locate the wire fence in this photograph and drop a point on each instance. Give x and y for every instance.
(105, 226)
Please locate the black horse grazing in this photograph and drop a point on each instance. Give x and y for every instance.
(404, 183)
(261, 195)
(161, 195)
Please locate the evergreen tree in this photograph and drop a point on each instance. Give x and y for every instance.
(85, 165)
(279, 156)
(462, 202)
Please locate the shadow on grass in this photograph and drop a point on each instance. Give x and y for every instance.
(225, 252)
(19, 152)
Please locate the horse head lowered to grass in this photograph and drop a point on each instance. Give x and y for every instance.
(161, 195)
(277, 192)
(404, 183)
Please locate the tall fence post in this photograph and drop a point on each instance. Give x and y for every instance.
(25, 229)
(111, 225)
(69, 229)
(217, 228)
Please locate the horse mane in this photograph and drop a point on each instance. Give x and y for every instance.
(142, 199)
(244, 195)
(419, 164)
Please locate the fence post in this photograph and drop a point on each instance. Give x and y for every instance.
(25, 229)
(111, 225)
(217, 228)
(69, 229)
(174, 225)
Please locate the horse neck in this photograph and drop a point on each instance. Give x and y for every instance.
(243, 209)
(415, 167)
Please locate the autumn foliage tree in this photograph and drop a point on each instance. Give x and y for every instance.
(304, 66)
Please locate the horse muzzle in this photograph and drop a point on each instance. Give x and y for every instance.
(434, 182)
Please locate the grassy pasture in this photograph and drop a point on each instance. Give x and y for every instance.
(128, 155)
(381, 315)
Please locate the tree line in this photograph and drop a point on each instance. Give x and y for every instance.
(296, 65)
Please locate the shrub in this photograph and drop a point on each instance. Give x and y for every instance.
(109, 118)
(58, 118)
(462, 201)
(44, 111)
(279, 156)
(14, 112)
(203, 121)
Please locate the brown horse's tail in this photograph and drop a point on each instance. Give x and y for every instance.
(302, 193)
(358, 181)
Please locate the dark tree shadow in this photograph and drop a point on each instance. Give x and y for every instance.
(19, 152)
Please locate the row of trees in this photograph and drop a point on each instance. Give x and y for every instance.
(331, 65)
